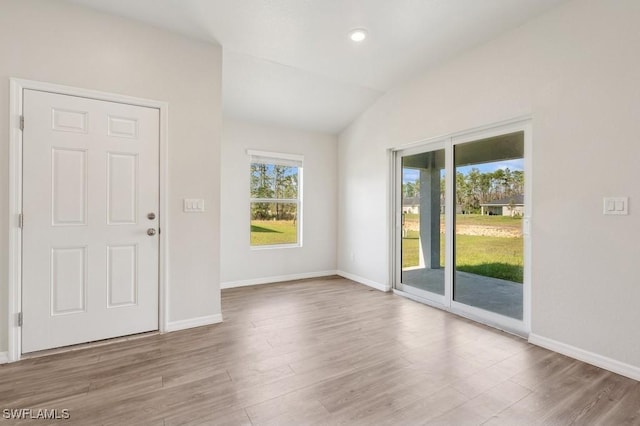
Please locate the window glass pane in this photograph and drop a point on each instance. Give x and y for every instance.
(274, 181)
(274, 223)
(423, 226)
(489, 243)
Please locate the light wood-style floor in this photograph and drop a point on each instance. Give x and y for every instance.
(325, 351)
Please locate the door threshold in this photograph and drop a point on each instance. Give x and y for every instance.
(88, 345)
(480, 319)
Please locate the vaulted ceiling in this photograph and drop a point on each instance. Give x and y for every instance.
(291, 62)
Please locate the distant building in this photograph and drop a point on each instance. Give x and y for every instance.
(411, 205)
(508, 206)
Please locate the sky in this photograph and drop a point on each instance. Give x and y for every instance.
(411, 175)
(288, 170)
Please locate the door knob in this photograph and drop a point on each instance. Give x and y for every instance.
(151, 232)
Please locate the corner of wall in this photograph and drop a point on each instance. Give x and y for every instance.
(361, 280)
(194, 322)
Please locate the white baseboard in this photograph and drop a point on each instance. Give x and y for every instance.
(4, 357)
(193, 322)
(276, 279)
(624, 369)
(364, 281)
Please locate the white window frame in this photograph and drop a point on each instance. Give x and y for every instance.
(282, 159)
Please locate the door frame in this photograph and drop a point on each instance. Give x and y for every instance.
(448, 141)
(16, 93)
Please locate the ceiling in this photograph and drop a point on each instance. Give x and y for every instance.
(291, 62)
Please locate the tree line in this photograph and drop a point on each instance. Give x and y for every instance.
(269, 181)
(475, 187)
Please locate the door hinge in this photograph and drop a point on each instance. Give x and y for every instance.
(20, 319)
(20, 221)
(22, 122)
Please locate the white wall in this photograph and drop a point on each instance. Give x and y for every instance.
(576, 71)
(317, 256)
(61, 43)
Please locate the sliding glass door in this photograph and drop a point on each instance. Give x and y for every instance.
(462, 215)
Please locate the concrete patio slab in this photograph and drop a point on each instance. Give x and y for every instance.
(491, 294)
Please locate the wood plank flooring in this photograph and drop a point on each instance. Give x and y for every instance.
(326, 352)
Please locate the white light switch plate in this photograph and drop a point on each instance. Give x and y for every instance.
(193, 205)
(616, 205)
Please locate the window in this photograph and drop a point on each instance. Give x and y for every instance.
(276, 199)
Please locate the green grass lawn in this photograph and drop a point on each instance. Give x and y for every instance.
(488, 256)
(496, 257)
(269, 232)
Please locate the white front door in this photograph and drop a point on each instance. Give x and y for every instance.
(90, 201)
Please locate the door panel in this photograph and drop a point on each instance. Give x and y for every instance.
(122, 188)
(122, 275)
(68, 280)
(69, 186)
(423, 226)
(91, 176)
(489, 243)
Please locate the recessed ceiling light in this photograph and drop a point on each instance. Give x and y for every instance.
(358, 35)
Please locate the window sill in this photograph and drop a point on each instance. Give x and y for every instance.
(275, 246)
